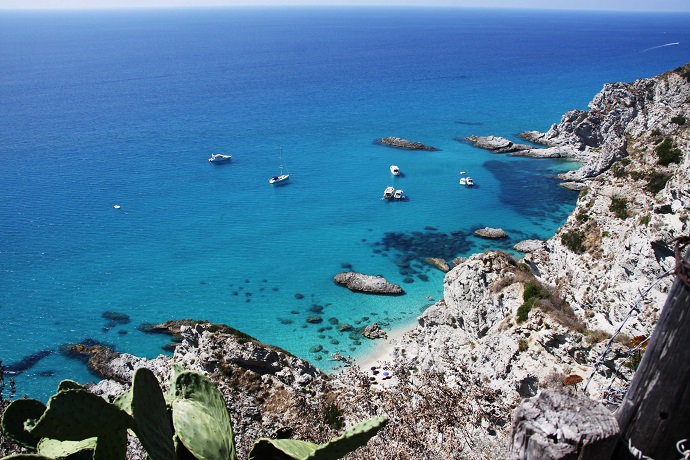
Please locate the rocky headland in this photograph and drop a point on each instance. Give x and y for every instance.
(505, 329)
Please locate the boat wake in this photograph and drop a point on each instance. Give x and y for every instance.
(661, 46)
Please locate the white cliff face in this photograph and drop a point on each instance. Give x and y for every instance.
(631, 209)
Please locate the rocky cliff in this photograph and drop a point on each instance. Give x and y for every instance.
(505, 329)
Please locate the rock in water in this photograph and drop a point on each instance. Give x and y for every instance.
(492, 233)
(374, 332)
(529, 245)
(405, 144)
(359, 282)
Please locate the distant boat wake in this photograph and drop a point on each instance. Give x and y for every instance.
(660, 46)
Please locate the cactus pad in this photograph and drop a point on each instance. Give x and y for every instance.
(112, 446)
(69, 385)
(353, 438)
(153, 424)
(74, 415)
(16, 414)
(201, 418)
(59, 449)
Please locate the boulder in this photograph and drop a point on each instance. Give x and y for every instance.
(439, 263)
(529, 245)
(491, 233)
(497, 144)
(359, 282)
(374, 332)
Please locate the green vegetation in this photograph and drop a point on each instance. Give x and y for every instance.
(667, 153)
(679, 120)
(574, 240)
(522, 345)
(582, 217)
(684, 72)
(644, 220)
(532, 293)
(190, 421)
(656, 132)
(619, 207)
(656, 181)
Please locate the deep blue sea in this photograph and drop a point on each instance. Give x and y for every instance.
(105, 108)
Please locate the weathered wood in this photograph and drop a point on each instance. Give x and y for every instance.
(655, 413)
(559, 426)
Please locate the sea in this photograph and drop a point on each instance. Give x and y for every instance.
(112, 217)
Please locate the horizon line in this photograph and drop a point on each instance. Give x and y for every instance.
(332, 5)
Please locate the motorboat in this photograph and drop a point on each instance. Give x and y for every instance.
(398, 195)
(219, 158)
(395, 170)
(463, 181)
(388, 193)
(469, 182)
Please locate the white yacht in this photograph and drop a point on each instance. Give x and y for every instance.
(219, 158)
(388, 193)
(395, 170)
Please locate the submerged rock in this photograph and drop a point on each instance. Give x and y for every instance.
(529, 245)
(439, 263)
(497, 144)
(359, 282)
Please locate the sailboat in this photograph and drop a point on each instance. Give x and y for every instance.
(280, 177)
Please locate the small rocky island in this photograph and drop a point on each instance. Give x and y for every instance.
(368, 284)
(405, 144)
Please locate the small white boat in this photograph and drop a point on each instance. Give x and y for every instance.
(388, 193)
(280, 177)
(469, 182)
(398, 195)
(117, 206)
(395, 170)
(463, 181)
(219, 158)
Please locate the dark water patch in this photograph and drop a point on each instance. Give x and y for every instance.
(423, 277)
(169, 347)
(294, 312)
(531, 188)
(203, 282)
(470, 123)
(115, 318)
(299, 296)
(314, 319)
(235, 293)
(412, 247)
(346, 266)
(247, 300)
(26, 363)
(122, 332)
(284, 320)
(48, 373)
(408, 280)
(333, 320)
(275, 289)
(248, 294)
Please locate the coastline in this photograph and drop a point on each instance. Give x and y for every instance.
(384, 352)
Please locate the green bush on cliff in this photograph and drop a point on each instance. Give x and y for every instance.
(573, 240)
(679, 120)
(656, 181)
(619, 207)
(667, 153)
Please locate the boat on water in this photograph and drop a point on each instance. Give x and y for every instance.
(388, 193)
(469, 182)
(395, 170)
(463, 181)
(219, 158)
(280, 178)
(398, 195)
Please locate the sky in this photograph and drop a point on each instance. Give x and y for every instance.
(616, 5)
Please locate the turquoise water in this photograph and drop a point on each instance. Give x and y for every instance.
(125, 107)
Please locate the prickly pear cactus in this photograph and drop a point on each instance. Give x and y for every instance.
(74, 415)
(60, 449)
(153, 424)
(26, 457)
(201, 420)
(353, 438)
(16, 414)
(70, 385)
(111, 446)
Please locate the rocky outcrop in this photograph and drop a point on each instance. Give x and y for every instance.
(374, 332)
(529, 245)
(491, 233)
(368, 284)
(600, 136)
(439, 263)
(405, 144)
(497, 144)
